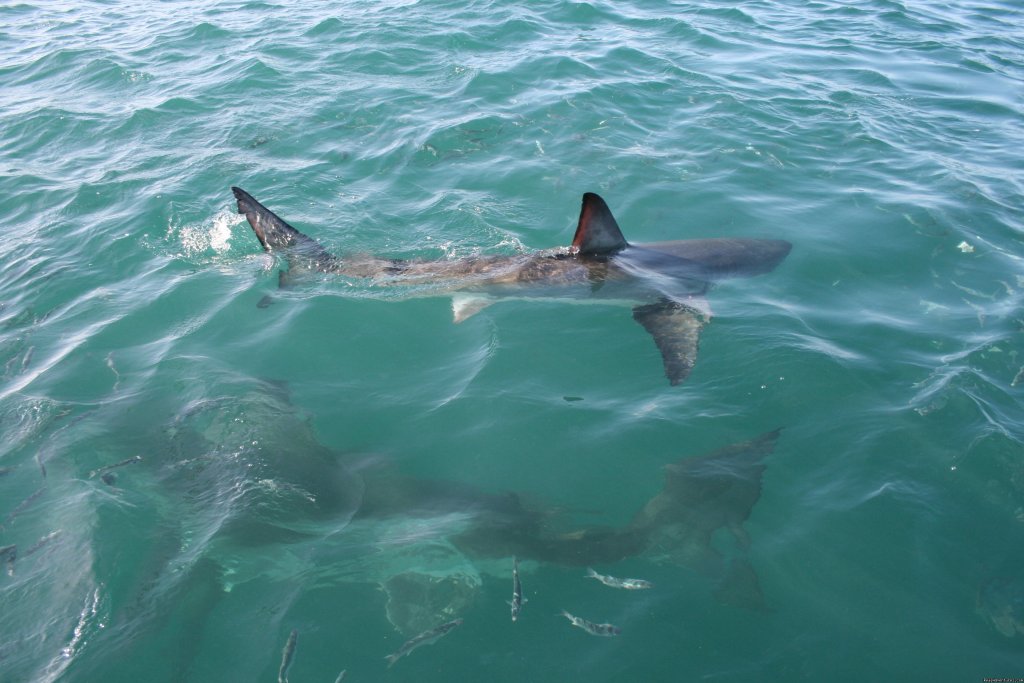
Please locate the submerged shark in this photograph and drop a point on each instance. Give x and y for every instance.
(365, 520)
(664, 282)
(238, 512)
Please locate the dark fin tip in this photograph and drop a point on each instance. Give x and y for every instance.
(243, 198)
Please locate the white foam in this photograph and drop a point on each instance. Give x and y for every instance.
(196, 239)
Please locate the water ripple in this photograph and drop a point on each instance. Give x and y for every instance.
(881, 139)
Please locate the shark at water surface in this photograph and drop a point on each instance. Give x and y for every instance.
(664, 282)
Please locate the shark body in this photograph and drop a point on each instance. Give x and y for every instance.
(663, 282)
(383, 524)
(238, 497)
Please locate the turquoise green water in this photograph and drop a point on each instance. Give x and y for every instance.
(881, 138)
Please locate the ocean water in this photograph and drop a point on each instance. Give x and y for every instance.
(141, 325)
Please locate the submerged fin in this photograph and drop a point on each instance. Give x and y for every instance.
(702, 496)
(676, 330)
(466, 306)
(597, 233)
(739, 587)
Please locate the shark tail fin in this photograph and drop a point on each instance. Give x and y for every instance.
(597, 233)
(271, 230)
(275, 234)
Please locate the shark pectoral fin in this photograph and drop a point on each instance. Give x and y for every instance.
(676, 330)
(466, 306)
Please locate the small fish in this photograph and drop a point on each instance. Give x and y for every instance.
(27, 359)
(628, 584)
(42, 542)
(23, 505)
(286, 656)
(426, 638)
(11, 553)
(105, 468)
(517, 591)
(113, 369)
(592, 628)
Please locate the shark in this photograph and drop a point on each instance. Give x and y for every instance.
(664, 283)
(239, 511)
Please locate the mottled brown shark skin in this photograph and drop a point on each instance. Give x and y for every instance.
(664, 282)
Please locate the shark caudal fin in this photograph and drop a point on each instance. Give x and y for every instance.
(271, 230)
(276, 235)
(597, 233)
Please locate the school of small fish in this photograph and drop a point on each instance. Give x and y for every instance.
(431, 636)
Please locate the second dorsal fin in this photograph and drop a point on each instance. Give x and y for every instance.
(597, 233)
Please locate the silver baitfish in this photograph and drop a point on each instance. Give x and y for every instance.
(10, 553)
(106, 468)
(592, 628)
(517, 591)
(614, 582)
(287, 655)
(43, 542)
(23, 505)
(426, 638)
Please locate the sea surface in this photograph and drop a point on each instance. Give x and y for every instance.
(185, 447)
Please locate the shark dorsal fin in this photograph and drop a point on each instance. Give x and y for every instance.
(597, 232)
